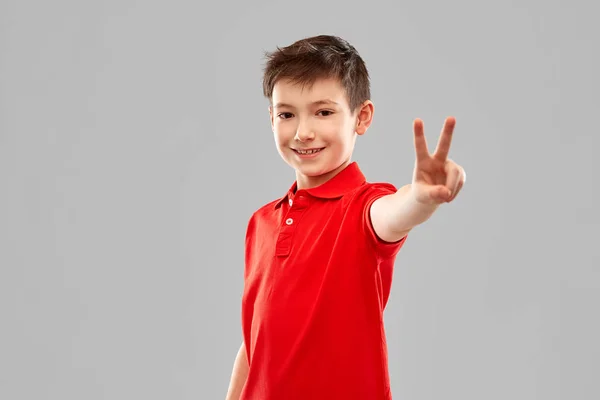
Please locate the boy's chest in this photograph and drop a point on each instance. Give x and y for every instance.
(294, 248)
(299, 262)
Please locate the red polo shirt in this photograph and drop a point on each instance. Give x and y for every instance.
(316, 282)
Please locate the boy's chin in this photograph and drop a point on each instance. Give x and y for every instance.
(313, 170)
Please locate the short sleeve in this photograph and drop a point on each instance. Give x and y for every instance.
(248, 243)
(383, 248)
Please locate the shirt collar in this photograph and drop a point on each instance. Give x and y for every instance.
(344, 182)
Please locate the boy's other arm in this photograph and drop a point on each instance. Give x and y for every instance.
(238, 375)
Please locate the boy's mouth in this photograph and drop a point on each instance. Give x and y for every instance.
(308, 152)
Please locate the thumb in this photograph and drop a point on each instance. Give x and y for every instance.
(439, 193)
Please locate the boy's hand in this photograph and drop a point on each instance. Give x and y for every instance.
(436, 179)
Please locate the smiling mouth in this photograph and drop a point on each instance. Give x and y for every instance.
(308, 152)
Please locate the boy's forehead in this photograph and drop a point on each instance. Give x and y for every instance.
(291, 93)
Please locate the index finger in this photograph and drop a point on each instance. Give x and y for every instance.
(443, 146)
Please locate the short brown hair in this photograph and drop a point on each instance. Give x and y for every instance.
(322, 56)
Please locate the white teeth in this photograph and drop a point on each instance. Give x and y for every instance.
(308, 151)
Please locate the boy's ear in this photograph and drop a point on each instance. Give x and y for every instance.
(271, 117)
(364, 117)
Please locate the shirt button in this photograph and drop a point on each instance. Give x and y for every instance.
(289, 221)
(290, 201)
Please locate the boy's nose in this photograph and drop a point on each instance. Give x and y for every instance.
(304, 134)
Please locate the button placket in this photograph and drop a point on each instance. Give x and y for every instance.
(286, 232)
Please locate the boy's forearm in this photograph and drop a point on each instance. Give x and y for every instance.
(406, 212)
(238, 375)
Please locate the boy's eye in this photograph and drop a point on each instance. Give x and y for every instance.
(286, 115)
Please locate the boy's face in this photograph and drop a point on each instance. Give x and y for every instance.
(318, 118)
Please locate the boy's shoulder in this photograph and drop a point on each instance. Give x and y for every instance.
(269, 207)
(264, 211)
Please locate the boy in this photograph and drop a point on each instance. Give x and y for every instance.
(319, 260)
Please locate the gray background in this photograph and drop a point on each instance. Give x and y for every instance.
(135, 144)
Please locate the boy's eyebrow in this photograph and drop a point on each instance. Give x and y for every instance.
(314, 103)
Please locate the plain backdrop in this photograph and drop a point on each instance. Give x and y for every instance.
(135, 144)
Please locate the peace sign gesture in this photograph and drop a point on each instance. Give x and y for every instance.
(436, 178)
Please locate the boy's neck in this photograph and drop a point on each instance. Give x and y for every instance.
(309, 182)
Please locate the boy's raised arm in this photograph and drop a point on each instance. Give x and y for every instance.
(436, 180)
(238, 375)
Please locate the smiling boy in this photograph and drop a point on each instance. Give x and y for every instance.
(319, 260)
